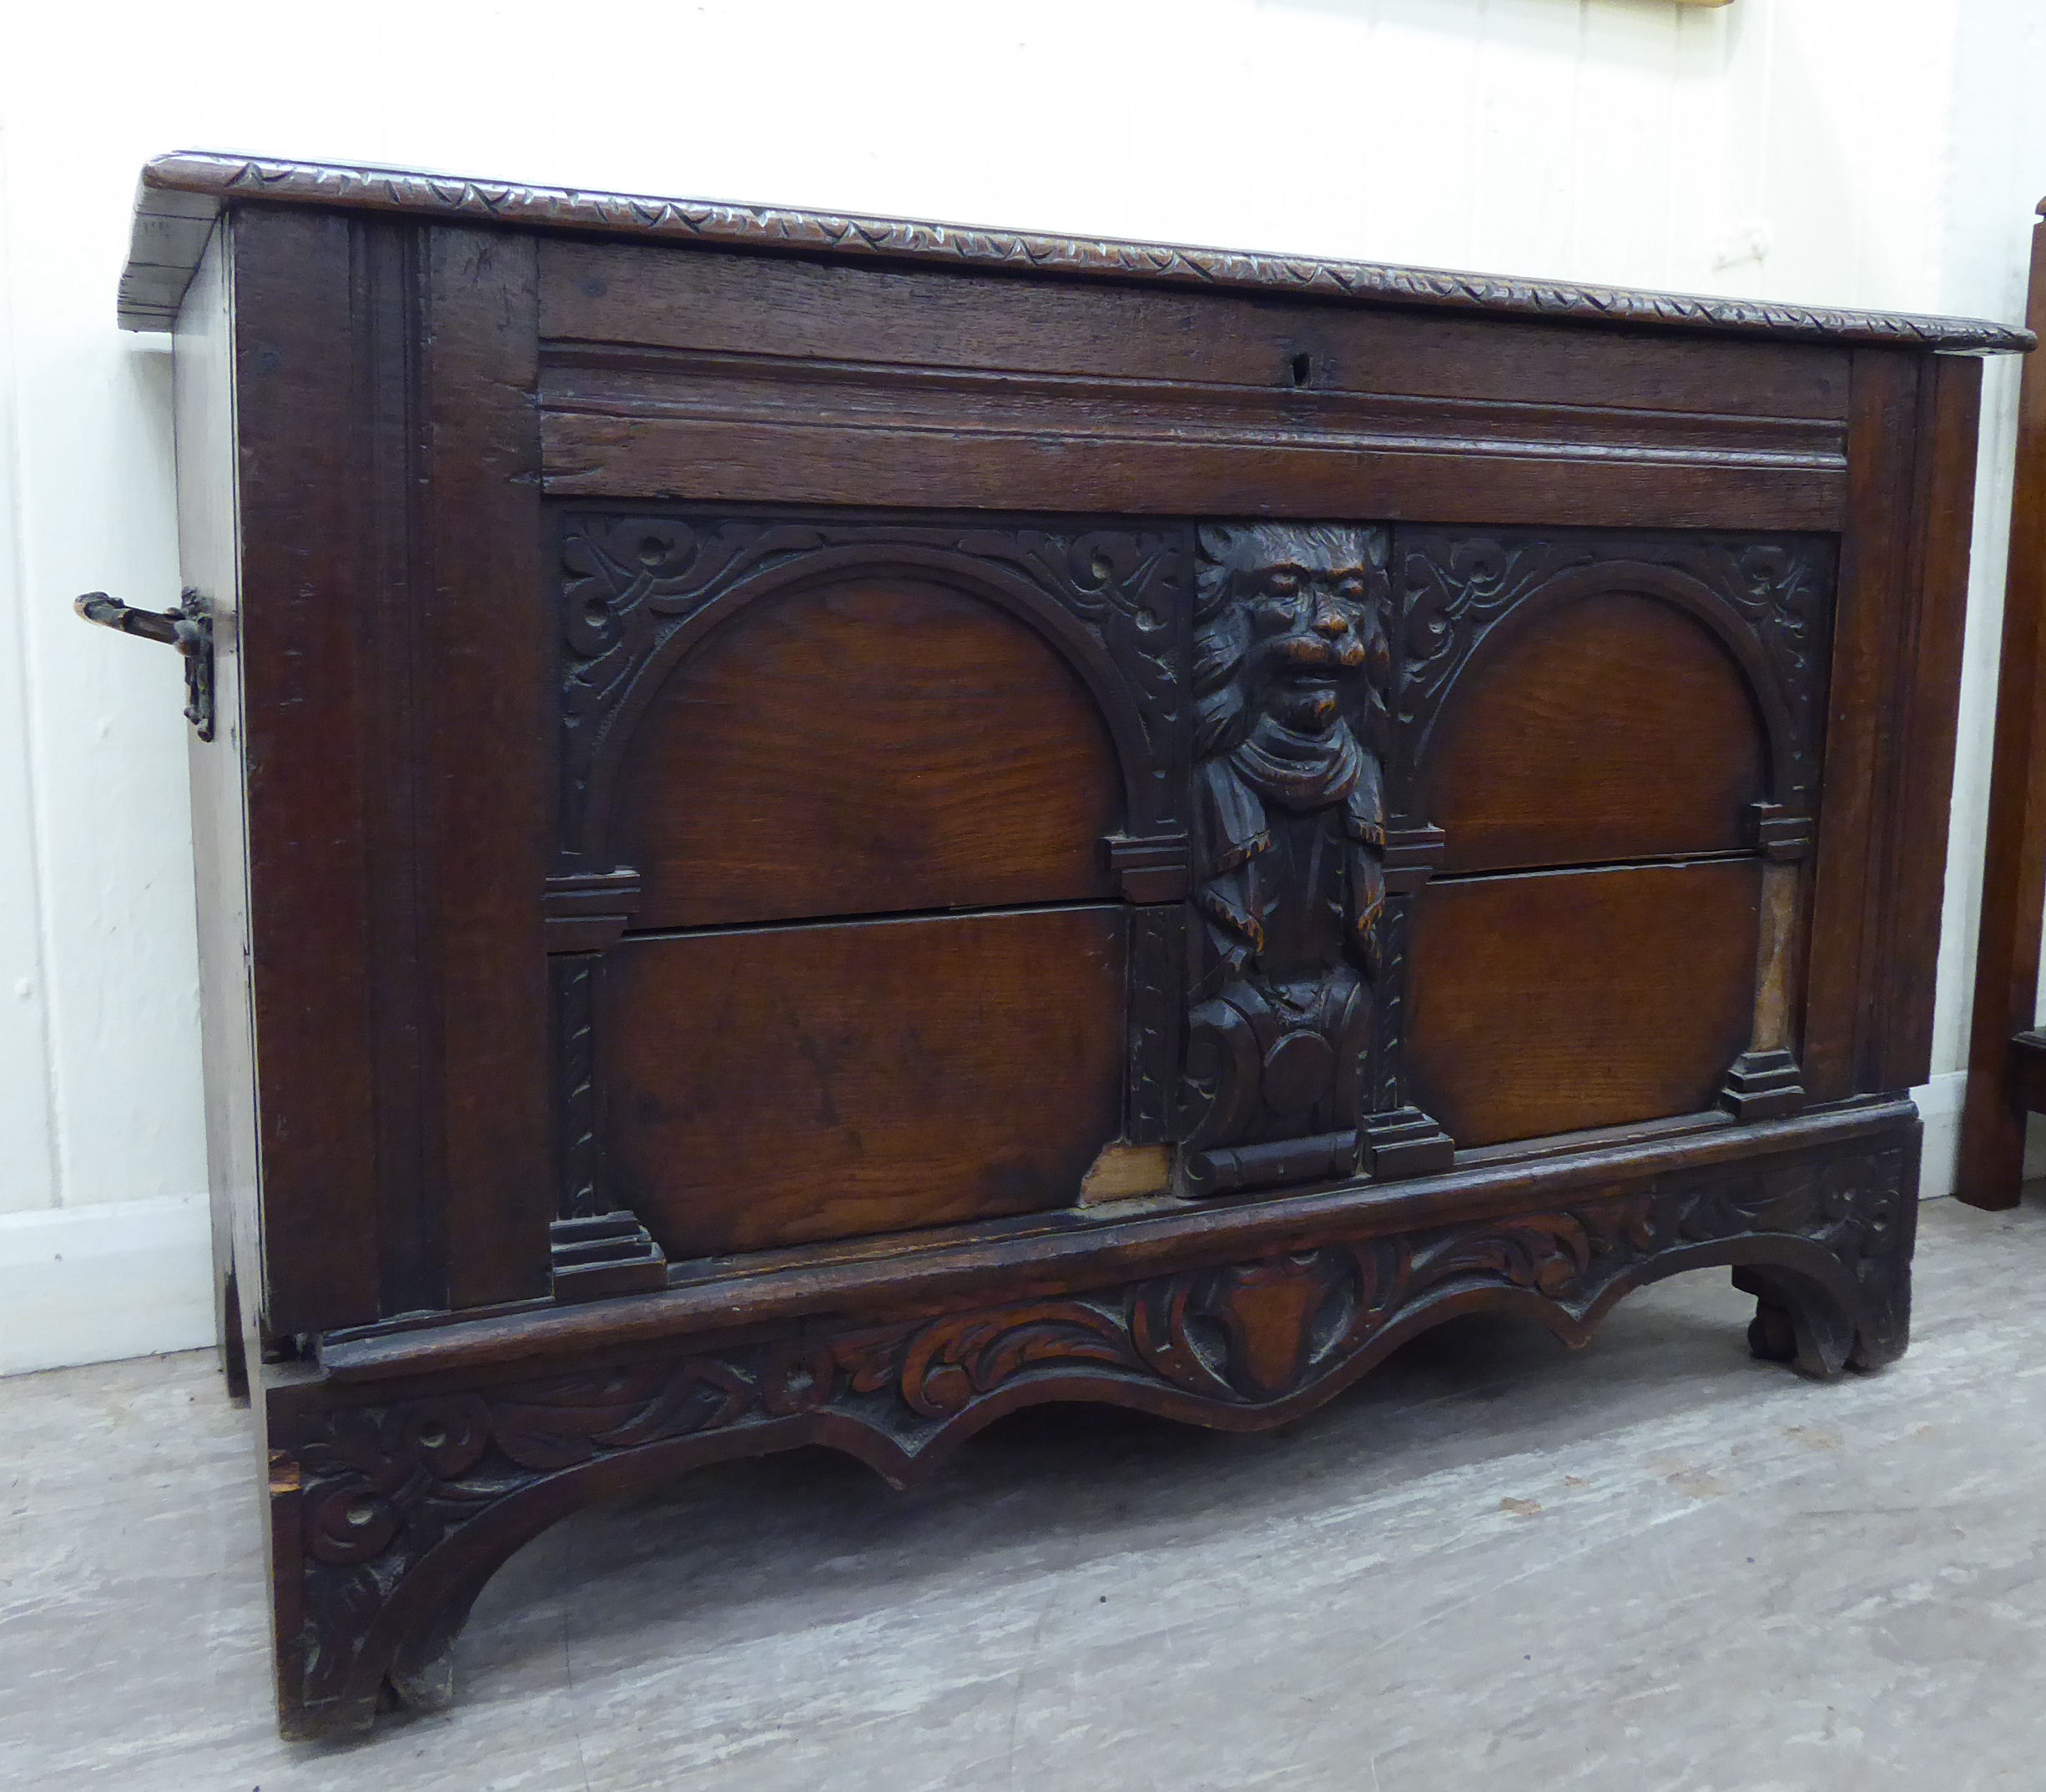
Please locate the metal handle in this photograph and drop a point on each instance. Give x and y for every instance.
(189, 629)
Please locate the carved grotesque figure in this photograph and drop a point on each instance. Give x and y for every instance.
(1290, 673)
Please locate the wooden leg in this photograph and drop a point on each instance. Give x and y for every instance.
(234, 1353)
(1800, 1319)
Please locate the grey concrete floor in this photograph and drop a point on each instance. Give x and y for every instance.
(1655, 1564)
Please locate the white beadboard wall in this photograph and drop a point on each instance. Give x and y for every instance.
(1881, 152)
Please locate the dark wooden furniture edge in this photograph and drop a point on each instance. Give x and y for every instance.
(2001, 1079)
(1888, 781)
(2026, 1056)
(181, 193)
(394, 1500)
(1169, 1234)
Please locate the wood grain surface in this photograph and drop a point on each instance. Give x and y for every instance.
(770, 1086)
(1555, 1000)
(1617, 728)
(867, 746)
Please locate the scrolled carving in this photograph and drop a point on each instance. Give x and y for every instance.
(413, 1493)
(1251, 1330)
(630, 581)
(628, 584)
(1786, 590)
(1455, 586)
(1291, 671)
(950, 1363)
(379, 1474)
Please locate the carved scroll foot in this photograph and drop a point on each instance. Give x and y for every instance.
(423, 1678)
(1854, 1310)
(1792, 1326)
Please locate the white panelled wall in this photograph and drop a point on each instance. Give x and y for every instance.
(1875, 153)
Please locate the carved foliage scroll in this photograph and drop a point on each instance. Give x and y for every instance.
(1455, 586)
(1237, 1344)
(631, 583)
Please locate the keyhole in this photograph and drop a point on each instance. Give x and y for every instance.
(1303, 366)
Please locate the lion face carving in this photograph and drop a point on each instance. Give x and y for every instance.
(1290, 654)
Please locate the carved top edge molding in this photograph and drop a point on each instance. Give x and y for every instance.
(216, 177)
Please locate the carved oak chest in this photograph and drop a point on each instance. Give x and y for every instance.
(812, 830)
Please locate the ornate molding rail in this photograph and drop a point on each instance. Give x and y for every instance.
(392, 1509)
(181, 193)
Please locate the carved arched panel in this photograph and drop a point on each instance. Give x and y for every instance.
(1613, 725)
(874, 744)
(871, 849)
(646, 594)
(1619, 741)
(1465, 597)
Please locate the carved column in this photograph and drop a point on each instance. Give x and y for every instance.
(1397, 1138)
(1764, 1082)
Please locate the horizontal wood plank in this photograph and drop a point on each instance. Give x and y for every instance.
(1553, 1001)
(1178, 472)
(1618, 729)
(871, 745)
(812, 309)
(778, 1085)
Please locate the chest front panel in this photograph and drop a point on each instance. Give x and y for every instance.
(802, 753)
(924, 871)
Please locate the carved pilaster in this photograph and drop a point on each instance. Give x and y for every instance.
(1157, 1008)
(1764, 1082)
(1291, 671)
(1397, 1139)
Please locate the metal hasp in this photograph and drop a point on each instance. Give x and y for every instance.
(189, 629)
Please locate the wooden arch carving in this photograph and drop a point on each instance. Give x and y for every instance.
(1058, 617)
(1695, 598)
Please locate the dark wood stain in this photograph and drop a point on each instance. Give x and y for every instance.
(754, 750)
(1552, 1001)
(1618, 728)
(865, 746)
(858, 1078)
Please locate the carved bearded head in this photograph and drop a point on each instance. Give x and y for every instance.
(1289, 637)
